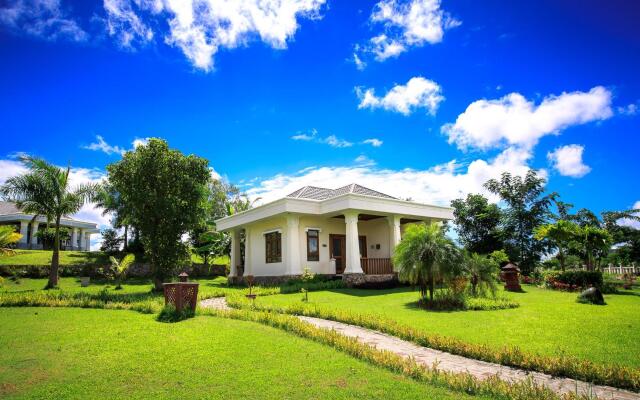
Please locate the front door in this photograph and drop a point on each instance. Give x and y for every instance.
(337, 249)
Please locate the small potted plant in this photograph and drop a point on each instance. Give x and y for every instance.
(249, 279)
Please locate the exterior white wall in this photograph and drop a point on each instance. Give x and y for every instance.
(376, 231)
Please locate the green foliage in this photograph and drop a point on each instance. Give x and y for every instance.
(424, 255)
(572, 279)
(164, 193)
(110, 241)
(8, 237)
(477, 223)
(169, 313)
(559, 235)
(593, 245)
(558, 365)
(590, 297)
(45, 191)
(482, 273)
(500, 257)
(119, 268)
(47, 236)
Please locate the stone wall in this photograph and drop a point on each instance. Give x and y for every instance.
(362, 281)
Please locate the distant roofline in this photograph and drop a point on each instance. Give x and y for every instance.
(21, 216)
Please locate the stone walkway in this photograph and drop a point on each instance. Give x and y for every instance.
(453, 363)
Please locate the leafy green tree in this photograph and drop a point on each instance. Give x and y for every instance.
(47, 237)
(8, 237)
(500, 257)
(111, 203)
(164, 193)
(477, 223)
(526, 208)
(110, 241)
(559, 235)
(45, 190)
(482, 272)
(425, 254)
(594, 244)
(119, 268)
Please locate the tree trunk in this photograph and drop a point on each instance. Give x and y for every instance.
(126, 238)
(561, 258)
(431, 286)
(157, 281)
(55, 259)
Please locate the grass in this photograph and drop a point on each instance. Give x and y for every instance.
(547, 322)
(74, 353)
(43, 257)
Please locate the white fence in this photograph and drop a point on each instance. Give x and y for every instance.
(620, 270)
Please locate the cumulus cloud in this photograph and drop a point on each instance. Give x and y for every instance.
(373, 142)
(567, 160)
(331, 140)
(364, 161)
(405, 99)
(125, 25)
(44, 19)
(514, 120)
(436, 185)
(629, 109)
(407, 24)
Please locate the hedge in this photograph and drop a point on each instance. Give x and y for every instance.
(573, 279)
(100, 271)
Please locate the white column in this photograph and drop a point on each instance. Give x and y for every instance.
(235, 252)
(352, 244)
(74, 239)
(81, 246)
(24, 231)
(34, 230)
(87, 242)
(248, 263)
(394, 233)
(294, 266)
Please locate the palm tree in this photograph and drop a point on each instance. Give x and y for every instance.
(482, 272)
(8, 236)
(111, 203)
(560, 234)
(120, 268)
(425, 254)
(45, 191)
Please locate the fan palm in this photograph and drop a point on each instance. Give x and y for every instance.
(45, 191)
(425, 254)
(120, 268)
(8, 236)
(482, 272)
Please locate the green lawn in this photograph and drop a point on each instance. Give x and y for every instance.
(43, 257)
(84, 353)
(547, 322)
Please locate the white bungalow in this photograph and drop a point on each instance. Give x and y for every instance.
(81, 231)
(349, 230)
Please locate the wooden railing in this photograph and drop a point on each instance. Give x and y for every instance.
(376, 266)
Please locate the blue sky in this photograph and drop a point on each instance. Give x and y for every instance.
(417, 98)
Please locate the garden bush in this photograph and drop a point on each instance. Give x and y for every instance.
(572, 280)
(169, 313)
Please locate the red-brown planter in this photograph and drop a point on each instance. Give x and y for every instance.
(181, 295)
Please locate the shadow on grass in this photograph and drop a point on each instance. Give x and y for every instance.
(371, 292)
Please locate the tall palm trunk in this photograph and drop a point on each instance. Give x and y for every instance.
(55, 259)
(126, 237)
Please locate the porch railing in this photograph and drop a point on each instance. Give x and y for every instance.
(376, 266)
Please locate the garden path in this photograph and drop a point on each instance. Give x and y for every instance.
(453, 363)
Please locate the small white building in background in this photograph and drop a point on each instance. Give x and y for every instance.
(349, 230)
(81, 231)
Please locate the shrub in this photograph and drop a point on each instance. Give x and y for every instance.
(169, 313)
(444, 300)
(572, 279)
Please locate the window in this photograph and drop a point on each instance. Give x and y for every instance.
(273, 245)
(313, 251)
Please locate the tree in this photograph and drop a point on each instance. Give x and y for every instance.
(425, 254)
(110, 201)
(559, 235)
(594, 243)
(110, 241)
(477, 223)
(482, 272)
(120, 268)
(8, 237)
(526, 208)
(164, 193)
(47, 236)
(46, 191)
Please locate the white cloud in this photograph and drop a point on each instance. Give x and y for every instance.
(630, 109)
(124, 23)
(103, 146)
(514, 120)
(629, 222)
(407, 24)
(373, 142)
(364, 161)
(201, 27)
(331, 140)
(567, 160)
(45, 19)
(139, 142)
(437, 185)
(360, 65)
(405, 99)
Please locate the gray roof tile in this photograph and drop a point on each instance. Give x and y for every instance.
(318, 193)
